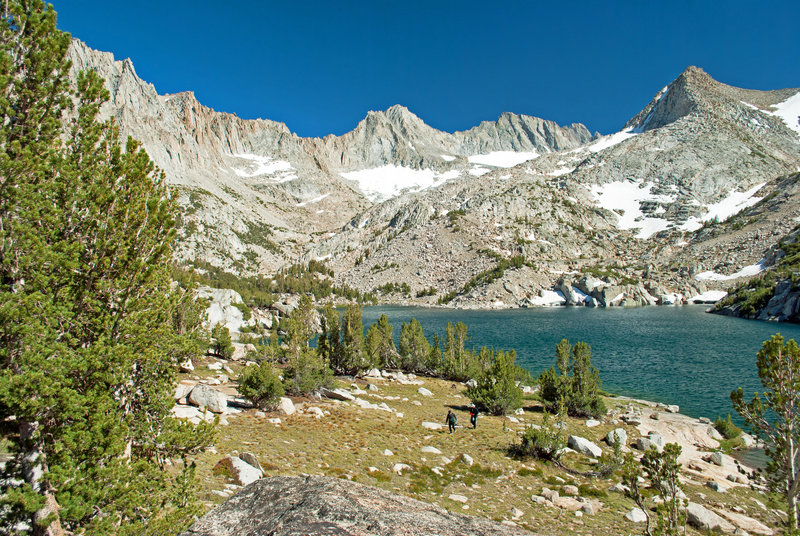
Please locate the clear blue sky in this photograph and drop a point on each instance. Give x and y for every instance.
(319, 66)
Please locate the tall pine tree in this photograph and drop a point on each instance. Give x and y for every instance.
(91, 328)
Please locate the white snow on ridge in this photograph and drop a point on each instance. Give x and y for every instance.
(504, 159)
(722, 210)
(611, 140)
(388, 181)
(447, 157)
(747, 271)
(789, 112)
(260, 165)
(561, 171)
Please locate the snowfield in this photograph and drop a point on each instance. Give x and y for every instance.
(550, 298)
(789, 112)
(611, 140)
(747, 271)
(387, 181)
(315, 200)
(709, 296)
(626, 197)
(503, 159)
(263, 165)
(722, 210)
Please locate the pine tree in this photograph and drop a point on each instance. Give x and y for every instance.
(495, 390)
(379, 344)
(584, 399)
(90, 326)
(353, 359)
(300, 327)
(576, 385)
(776, 419)
(456, 357)
(222, 345)
(414, 348)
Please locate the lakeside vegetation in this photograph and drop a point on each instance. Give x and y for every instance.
(313, 278)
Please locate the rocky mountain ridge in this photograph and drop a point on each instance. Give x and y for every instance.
(254, 194)
(425, 216)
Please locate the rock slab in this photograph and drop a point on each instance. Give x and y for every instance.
(584, 446)
(704, 519)
(204, 396)
(290, 506)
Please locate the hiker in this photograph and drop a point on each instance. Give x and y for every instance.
(451, 420)
(473, 417)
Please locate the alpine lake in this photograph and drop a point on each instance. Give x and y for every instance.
(675, 355)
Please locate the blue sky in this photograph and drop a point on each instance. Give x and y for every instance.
(320, 66)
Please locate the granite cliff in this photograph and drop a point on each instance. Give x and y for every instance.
(680, 203)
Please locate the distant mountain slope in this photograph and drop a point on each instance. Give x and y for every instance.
(254, 194)
(643, 200)
(514, 212)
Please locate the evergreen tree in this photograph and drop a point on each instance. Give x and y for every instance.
(261, 385)
(300, 327)
(584, 398)
(379, 344)
(329, 343)
(776, 419)
(435, 359)
(576, 385)
(222, 345)
(456, 357)
(495, 390)
(91, 329)
(353, 359)
(306, 373)
(414, 348)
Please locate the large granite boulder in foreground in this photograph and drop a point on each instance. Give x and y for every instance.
(294, 506)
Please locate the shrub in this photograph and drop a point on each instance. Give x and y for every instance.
(727, 428)
(261, 385)
(543, 443)
(662, 469)
(306, 373)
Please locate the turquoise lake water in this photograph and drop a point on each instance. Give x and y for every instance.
(676, 355)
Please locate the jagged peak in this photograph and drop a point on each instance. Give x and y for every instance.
(396, 113)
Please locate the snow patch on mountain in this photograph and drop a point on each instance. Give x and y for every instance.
(550, 298)
(611, 140)
(734, 202)
(789, 112)
(709, 296)
(447, 157)
(624, 198)
(504, 159)
(257, 165)
(477, 171)
(387, 181)
(747, 271)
